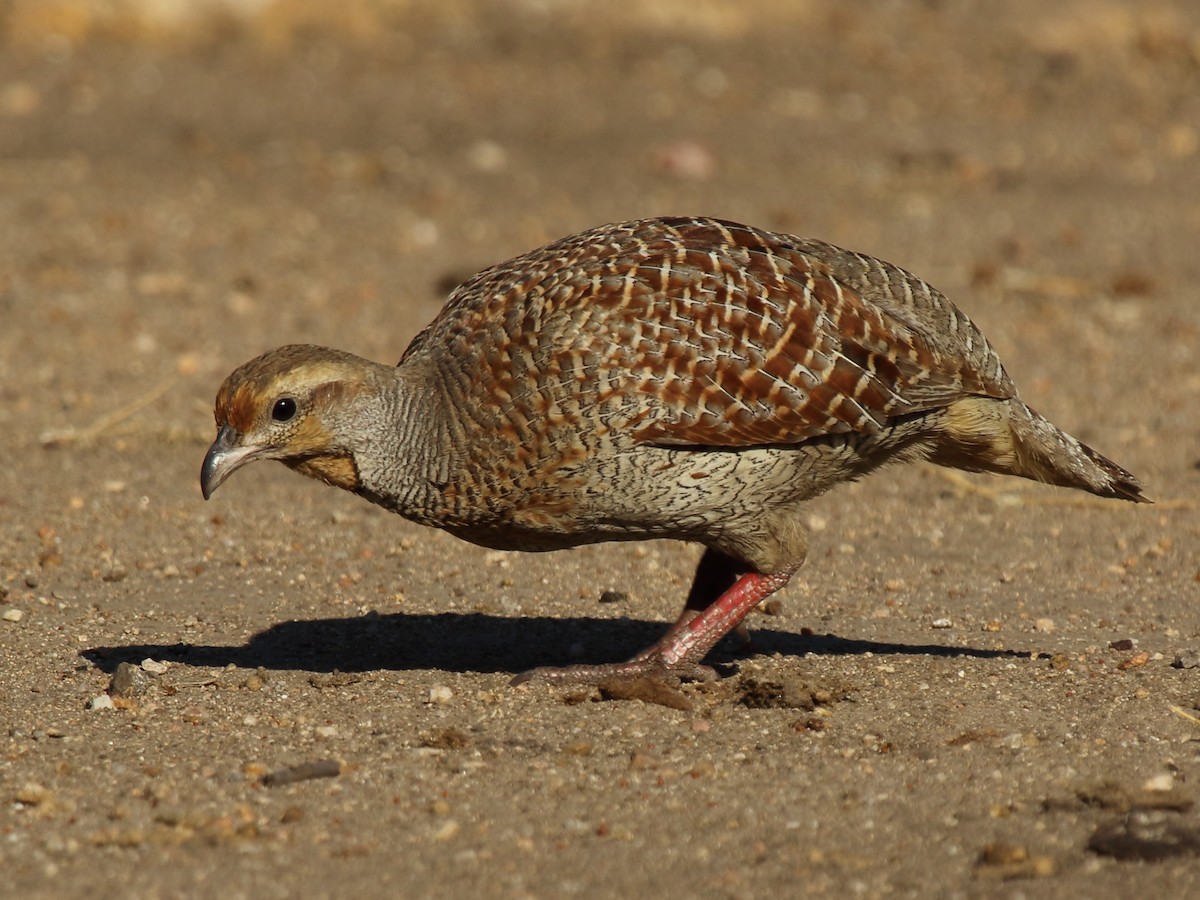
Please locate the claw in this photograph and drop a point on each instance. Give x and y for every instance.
(648, 666)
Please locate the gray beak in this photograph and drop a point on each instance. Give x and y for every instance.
(224, 458)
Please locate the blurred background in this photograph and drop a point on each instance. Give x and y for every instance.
(188, 182)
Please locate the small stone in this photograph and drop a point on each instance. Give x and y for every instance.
(326, 731)
(448, 830)
(114, 572)
(33, 794)
(1046, 626)
(1162, 782)
(686, 159)
(1123, 645)
(446, 739)
(104, 701)
(487, 156)
(321, 768)
(614, 597)
(12, 615)
(1134, 662)
(992, 625)
(941, 623)
(440, 693)
(640, 760)
(1186, 659)
(999, 854)
(128, 681)
(648, 690)
(291, 814)
(154, 667)
(1060, 662)
(1148, 835)
(1008, 861)
(1018, 741)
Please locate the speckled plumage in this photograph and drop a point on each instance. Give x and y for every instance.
(685, 378)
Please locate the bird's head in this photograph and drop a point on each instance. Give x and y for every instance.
(292, 404)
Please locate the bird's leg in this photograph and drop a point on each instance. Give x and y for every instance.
(715, 574)
(679, 652)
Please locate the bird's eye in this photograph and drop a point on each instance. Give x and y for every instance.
(284, 409)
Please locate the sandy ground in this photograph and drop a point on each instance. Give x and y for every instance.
(969, 692)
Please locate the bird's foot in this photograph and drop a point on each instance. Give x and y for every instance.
(677, 654)
(646, 665)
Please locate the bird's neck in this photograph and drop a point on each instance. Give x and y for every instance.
(404, 464)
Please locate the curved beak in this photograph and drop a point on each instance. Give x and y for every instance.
(224, 458)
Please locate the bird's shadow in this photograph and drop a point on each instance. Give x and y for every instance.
(476, 642)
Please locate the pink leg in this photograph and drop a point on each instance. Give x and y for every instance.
(715, 574)
(686, 643)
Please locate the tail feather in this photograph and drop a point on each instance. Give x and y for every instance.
(1006, 436)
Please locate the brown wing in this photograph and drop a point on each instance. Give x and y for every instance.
(751, 338)
(701, 332)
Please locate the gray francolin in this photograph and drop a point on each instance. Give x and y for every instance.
(678, 378)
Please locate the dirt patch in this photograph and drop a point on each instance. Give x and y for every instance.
(960, 657)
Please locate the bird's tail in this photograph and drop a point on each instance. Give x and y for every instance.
(1006, 436)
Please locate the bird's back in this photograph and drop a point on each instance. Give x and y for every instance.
(698, 332)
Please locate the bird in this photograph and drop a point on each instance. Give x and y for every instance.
(677, 377)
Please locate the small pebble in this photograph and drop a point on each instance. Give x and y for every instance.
(12, 615)
(614, 597)
(154, 667)
(128, 681)
(1134, 662)
(439, 693)
(1162, 782)
(640, 760)
(1009, 861)
(1123, 644)
(1186, 659)
(101, 702)
(941, 623)
(1046, 626)
(33, 794)
(322, 768)
(114, 572)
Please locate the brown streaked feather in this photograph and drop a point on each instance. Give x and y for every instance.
(702, 332)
